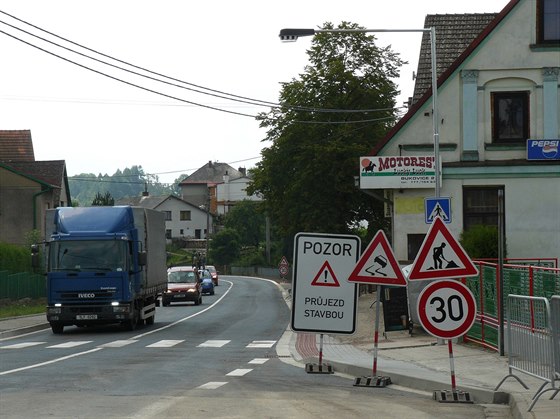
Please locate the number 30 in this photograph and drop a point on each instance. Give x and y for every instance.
(454, 303)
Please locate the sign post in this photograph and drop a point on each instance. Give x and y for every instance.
(322, 301)
(377, 265)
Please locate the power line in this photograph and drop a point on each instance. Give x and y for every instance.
(216, 93)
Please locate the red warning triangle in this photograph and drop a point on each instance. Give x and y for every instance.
(378, 264)
(441, 256)
(326, 277)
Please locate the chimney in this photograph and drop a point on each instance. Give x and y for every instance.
(145, 193)
(226, 177)
(243, 171)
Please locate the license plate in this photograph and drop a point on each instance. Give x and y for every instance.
(86, 317)
(179, 296)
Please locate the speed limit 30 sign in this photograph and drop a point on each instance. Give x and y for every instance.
(446, 309)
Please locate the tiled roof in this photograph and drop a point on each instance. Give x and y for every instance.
(454, 33)
(151, 202)
(443, 72)
(51, 172)
(16, 145)
(212, 172)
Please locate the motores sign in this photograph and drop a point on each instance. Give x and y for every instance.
(323, 301)
(397, 172)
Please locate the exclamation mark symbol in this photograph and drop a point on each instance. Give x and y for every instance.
(326, 273)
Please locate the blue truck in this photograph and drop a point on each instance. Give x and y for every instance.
(104, 265)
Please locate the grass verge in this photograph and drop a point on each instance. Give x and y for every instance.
(25, 307)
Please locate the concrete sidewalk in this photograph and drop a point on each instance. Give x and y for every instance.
(417, 362)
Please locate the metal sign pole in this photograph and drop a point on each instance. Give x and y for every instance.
(374, 380)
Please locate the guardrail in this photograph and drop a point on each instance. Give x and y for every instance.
(538, 281)
(532, 341)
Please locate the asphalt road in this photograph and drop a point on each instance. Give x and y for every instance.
(215, 360)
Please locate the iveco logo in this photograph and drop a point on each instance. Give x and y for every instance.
(86, 295)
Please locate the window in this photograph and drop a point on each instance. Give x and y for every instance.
(168, 234)
(167, 215)
(181, 232)
(548, 21)
(185, 215)
(480, 206)
(510, 117)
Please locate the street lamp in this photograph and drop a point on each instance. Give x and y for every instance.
(291, 35)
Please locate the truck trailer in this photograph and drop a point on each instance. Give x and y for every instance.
(104, 265)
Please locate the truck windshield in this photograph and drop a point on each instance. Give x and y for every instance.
(89, 255)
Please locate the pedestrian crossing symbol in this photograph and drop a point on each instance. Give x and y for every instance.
(326, 277)
(438, 207)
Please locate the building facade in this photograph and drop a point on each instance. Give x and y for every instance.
(498, 122)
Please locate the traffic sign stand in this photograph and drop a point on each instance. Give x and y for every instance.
(374, 380)
(319, 368)
(447, 309)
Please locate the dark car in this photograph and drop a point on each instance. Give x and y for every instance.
(183, 284)
(214, 273)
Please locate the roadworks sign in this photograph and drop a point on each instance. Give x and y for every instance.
(441, 256)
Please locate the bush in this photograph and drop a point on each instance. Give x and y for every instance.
(481, 242)
(15, 258)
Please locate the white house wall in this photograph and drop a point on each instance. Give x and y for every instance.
(503, 62)
(198, 219)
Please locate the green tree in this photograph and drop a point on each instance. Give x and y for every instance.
(105, 200)
(249, 223)
(224, 247)
(306, 175)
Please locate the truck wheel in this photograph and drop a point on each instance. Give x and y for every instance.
(57, 328)
(131, 324)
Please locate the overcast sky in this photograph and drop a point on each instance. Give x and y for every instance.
(99, 124)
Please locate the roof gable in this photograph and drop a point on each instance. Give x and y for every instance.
(212, 172)
(51, 172)
(444, 73)
(151, 202)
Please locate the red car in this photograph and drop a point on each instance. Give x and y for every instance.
(183, 284)
(214, 273)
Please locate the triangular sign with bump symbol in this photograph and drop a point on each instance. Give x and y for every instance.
(378, 264)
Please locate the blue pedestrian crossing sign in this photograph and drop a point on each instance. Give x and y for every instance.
(438, 207)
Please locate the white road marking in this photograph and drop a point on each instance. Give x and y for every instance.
(71, 344)
(214, 343)
(21, 345)
(212, 385)
(239, 372)
(117, 343)
(261, 344)
(188, 317)
(165, 343)
(49, 362)
(258, 361)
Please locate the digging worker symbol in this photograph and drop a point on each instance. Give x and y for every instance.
(438, 256)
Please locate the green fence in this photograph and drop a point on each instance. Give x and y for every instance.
(22, 285)
(534, 281)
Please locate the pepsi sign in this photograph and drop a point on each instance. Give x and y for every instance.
(543, 149)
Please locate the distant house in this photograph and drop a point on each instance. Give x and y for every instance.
(217, 185)
(27, 187)
(182, 219)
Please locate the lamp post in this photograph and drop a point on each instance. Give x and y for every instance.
(291, 35)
